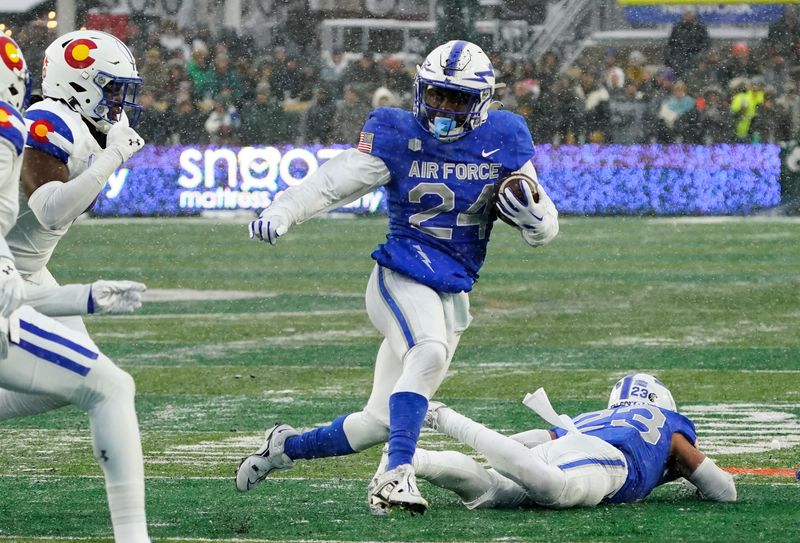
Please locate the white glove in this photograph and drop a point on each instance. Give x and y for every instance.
(116, 296)
(527, 215)
(12, 288)
(123, 139)
(269, 227)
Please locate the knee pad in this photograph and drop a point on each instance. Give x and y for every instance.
(424, 368)
(106, 381)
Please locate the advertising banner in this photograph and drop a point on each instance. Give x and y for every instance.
(588, 179)
(719, 14)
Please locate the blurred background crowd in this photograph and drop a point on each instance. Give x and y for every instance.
(203, 87)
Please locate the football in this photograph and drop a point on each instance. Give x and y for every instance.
(514, 182)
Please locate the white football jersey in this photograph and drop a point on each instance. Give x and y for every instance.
(57, 130)
(12, 140)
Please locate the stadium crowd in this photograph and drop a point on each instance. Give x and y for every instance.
(201, 88)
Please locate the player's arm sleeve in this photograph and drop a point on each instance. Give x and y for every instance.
(56, 204)
(549, 226)
(59, 301)
(8, 184)
(713, 483)
(346, 177)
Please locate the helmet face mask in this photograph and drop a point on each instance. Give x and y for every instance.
(453, 89)
(641, 389)
(15, 78)
(95, 74)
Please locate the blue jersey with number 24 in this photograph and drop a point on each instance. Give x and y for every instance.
(440, 194)
(644, 434)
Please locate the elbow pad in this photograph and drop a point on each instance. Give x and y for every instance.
(713, 483)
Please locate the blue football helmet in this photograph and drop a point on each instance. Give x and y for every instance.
(453, 90)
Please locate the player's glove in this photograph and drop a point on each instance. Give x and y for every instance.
(115, 296)
(123, 139)
(538, 221)
(12, 288)
(269, 227)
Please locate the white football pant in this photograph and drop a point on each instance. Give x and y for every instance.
(52, 360)
(421, 329)
(574, 470)
(15, 404)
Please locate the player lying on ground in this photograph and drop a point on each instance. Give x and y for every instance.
(617, 455)
(42, 358)
(439, 166)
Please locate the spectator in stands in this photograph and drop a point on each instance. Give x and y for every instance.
(783, 37)
(152, 124)
(395, 76)
(547, 71)
(775, 71)
(594, 97)
(789, 100)
(187, 124)
(716, 119)
(748, 95)
(771, 123)
(331, 74)
(154, 71)
(678, 105)
(635, 71)
(364, 75)
(287, 80)
(172, 40)
(264, 122)
(613, 75)
(222, 76)
(740, 63)
(199, 70)
(222, 123)
(708, 71)
(525, 94)
(627, 111)
(351, 114)
(384, 97)
(320, 117)
(688, 39)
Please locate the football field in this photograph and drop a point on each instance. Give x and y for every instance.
(237, 335)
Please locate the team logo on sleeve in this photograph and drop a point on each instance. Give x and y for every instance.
(40, 129)
(10, 54)
(365, 142)
(5, 117)
(78, 53)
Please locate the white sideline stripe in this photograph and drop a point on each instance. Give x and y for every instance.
(234, 316)
(200, 539)
(34, 475)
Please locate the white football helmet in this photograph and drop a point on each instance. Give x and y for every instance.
(641, 388)
(453, 90)
(15, 79)
(95, 74)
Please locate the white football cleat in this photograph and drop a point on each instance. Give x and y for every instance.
(432, 415)
(398, 488)
(378, 506)
(270, 457)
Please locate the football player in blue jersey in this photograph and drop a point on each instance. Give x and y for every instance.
(44, 360)
(616, 455)
(439, 166)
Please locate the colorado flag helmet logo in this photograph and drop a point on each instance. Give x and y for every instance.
(5, 117)
(9, 53)
(78, 53)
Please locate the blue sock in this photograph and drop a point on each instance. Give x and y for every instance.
(406, 414)
(320, 442)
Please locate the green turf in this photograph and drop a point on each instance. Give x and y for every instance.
(713, 309)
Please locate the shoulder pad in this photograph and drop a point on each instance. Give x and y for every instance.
(385, 127)
(512, 130)
(51, 129)
(12, 127)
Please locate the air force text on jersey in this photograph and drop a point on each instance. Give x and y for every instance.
(454, 170)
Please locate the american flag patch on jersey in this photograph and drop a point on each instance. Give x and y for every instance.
(365, 142)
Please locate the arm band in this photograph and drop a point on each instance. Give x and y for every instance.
(56, 204)
(713, 483)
